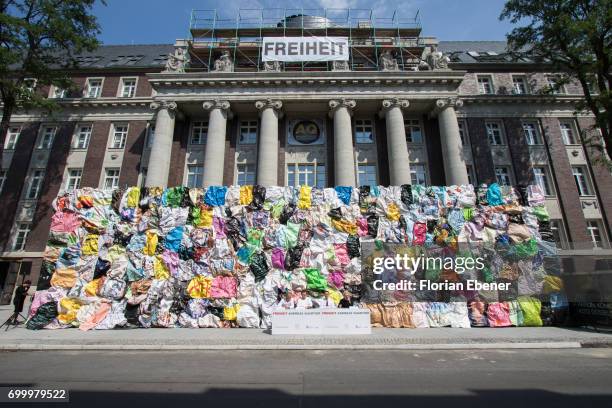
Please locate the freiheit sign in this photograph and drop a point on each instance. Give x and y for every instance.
(321, 321)
(299, 49)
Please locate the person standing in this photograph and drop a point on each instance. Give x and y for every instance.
(304, 301)
(346, 301)
(21, 293)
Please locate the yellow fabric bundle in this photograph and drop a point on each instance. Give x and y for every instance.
(231, 312)
(91, 289)
(64, 278)
(393, 212)
(345, 226)
(68, 309)
(304, 200)
(133, 197)
(160, 270)
(151, 244)
(246, 195)
(90, 245)
(199, 287)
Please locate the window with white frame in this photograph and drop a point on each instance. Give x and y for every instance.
(93, 88)
(568, 133)
(12, 136)
(195, 175)
(414, 132)
(111, 178)
(150, 135)
(495, 133)
(36, 179)
(120, 132)
(73, 181)
(463, 133)
(502, 175)
(248, 132)
(582, 180)
(558, 231)
(305, 174)
(45, 140)
(418, 174)
(531, 131)
(21, 236)
(245, 174)
(555, 85)
(471, 174)
(594, 232)
(364, 131)
(58, 93)
(485, 85)
(519, 85)
(366, 174)
(199, 131)
(30, 84)
(540, 177)
(82, 137)
(128, 87)
(3, 173)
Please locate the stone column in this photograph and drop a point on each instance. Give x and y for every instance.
(452, 147)
(215, 141)
(267, 158)
(344, 152)
(159, 159)
(399, 162)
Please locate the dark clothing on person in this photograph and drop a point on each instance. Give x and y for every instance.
(20, 295)
(345, 304)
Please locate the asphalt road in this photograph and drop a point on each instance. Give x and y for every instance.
(504, 378)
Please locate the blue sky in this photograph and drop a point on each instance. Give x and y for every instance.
(163, 21)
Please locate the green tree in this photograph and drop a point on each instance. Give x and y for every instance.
(573, 37)
(39, 40)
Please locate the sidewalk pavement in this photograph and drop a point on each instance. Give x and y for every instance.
(19, 338)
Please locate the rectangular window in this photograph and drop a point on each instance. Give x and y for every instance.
(306, 175)
(45, 140)
(502, 175)
(364, 131)
(21, 237)
(519, 85)
(74, 179)
(532, 133)
(93, 88)
(540, 177)
(485, 85)
(2, 179)
(463, 133)
(245, 175)
(82, 137)
(568, 133)
(199, 131)
(581, 179)
(150, 135)
(414, 133)
(12, 136)
(36, 179)
(594, 232)
(111, 179)
(195, 176)
(366, 174)
(58, 93)
(418, 174)
(248, 132)
(119, 136)
(128, 87)
(471, 175)
(554, 84)
(558, 231)
(494, 133)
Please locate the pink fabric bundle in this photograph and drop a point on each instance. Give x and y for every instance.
(420, 233)
(223, 287)
(498, 315)
(278, 258)
(336, 278)
(342, 256)
(219, 227)
(362, 227)
(64, 222)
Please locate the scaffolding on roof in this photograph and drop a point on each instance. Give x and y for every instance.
(369, 35)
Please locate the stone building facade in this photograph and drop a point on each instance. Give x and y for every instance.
(449, 113)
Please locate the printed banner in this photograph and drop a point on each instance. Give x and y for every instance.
(302, 49)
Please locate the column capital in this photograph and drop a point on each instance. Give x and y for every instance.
(275, 104)
(168, 105)
(336, 104)
(395, 103)
(449, 103)
(216, 104)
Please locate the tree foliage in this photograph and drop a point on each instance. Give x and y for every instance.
(574, 37)
(40, 39)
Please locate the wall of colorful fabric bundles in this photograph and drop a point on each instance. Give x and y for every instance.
(222, 256)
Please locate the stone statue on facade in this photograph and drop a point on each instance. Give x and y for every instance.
(388, 62)
(436, 60)
(272, 66)
(340, 66)
(177, 62)
(224, 63)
